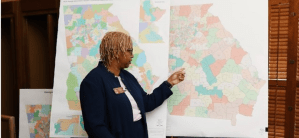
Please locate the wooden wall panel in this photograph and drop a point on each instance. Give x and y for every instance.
(6, 8)
(9, 92)
(8, 78)
(52, 28)
(38, 5)
(4, 128)
(38, 52)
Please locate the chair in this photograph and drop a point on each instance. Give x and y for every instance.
(11, 125)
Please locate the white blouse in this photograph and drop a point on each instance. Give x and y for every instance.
(136, 111)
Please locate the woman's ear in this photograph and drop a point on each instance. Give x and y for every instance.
(115, 54)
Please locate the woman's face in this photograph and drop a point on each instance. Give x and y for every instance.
(126, 58)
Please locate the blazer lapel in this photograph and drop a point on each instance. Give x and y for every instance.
(137, 97)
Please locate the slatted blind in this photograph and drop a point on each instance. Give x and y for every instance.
(296, 128)
(278, 52)
(297, 76)
(276, 114)
(278, 41)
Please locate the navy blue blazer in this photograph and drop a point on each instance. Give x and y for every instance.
(109, 115)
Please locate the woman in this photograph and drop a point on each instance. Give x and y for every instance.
(112, 101)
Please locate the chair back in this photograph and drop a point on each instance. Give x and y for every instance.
(8, 126)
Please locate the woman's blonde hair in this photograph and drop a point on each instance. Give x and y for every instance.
(112, 44)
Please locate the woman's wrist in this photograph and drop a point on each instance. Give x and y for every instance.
(168, 84)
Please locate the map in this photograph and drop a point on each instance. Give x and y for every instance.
(73, 126)
(226, 69)
(85, 26)
(38, 120)
(220, 81)
(148, 30)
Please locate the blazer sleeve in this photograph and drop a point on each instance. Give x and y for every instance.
(94, 109)
(159, 95)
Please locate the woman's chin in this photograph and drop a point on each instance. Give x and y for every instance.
(128, 65)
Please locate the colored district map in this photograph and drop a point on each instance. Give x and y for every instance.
(73, 126)
(220, 81)
(85, 26)
(148, 31)
(38, 120)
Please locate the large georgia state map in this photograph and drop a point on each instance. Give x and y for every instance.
(221, 81)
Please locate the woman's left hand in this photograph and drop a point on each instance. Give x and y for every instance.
(177, 77)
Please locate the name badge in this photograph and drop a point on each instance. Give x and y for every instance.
(119, 90)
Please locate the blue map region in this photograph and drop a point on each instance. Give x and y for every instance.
(204, 91)
(30, 117)
(149, 76)
(153, 37)
(97, 17)
(77, 51)
(67, 19)
(69, 131)
(141, 59)
(142, 26)
(32, 135)
(81, 122)
(147, 8)
(80, 22)
(95, 50)
(76, 89)
(206, 62)
(179, 62)
(46, 109)
(74, 71)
